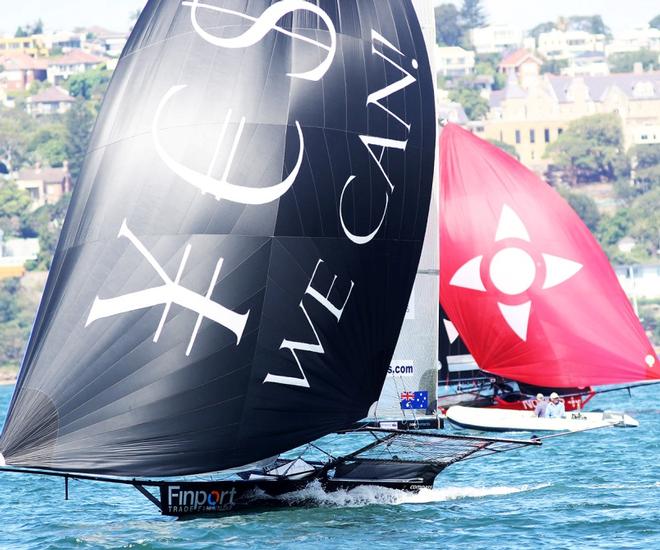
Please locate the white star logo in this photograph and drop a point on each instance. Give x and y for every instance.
(512, 271)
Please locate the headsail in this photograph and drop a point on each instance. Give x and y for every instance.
(240, 248)
(524, 281)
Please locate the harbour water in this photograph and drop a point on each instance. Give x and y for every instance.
(598, 489)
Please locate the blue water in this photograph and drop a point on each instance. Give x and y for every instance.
(591, 490)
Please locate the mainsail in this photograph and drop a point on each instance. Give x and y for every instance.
(412, 380)
(237, 259)
(524, 281)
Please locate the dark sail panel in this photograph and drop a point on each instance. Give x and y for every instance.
(240, 248)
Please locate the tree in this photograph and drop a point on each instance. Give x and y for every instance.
(16, 126)
(591, 149)
(655, 22)
(646, 159)
(625, 62)
(585, 207)
(645, 227)
(506, 147)
(554, 66)
(541, 28)
(79, 121)
(614, 228)
(14, 207)
(472, 15)
(46, 223)
(588, 23)
(475, 106)
(33, 28)
(48, 144)
(92, 83)
(447, 28)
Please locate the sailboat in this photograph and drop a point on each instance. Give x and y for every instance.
(237, 260)
(462, 382)
(525, 283)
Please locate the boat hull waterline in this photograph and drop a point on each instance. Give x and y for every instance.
(190, 499)
(507, 420)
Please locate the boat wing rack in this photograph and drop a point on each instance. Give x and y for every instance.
(441, 449)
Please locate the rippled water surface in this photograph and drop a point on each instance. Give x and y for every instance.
(591, 490)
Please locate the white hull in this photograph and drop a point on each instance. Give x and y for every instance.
(503, 420)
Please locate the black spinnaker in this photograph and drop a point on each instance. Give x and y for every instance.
(237, 259)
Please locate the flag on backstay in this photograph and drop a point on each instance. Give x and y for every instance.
(414, 400)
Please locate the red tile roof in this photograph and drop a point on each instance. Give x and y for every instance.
(76, 57)
(517, 58)
(22, 62)
(46, 174)
(54, 94)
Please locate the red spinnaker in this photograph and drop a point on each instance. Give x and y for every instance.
(526, 284)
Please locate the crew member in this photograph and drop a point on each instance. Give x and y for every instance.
(541, 405)
(555, 408)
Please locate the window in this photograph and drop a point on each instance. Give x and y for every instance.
(546, 135)
(518, 136)
(532, 136)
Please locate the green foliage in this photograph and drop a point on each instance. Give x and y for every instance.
(78, 121)
(625, 62)
(37, 86)
(554, 66)
(447, 28)
(475, 106)
(593, 24)
(15, 129)
(46, 223)
(655, 22)
(647, 166)
(506, 147)
(92, 83)
(14, 207)
(585, 207)
(17, 309)
(34, 28)
(591, 149)
(645, 226)
(472, 15)
(613, 228)
(541, 28)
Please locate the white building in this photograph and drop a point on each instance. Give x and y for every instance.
(639, 281)
(51, 101)
(454, 61)
(587, 64)
(105, 42)
(73, 62)
(496, 38)
(568, 44)
(644, 38)
(64, 40)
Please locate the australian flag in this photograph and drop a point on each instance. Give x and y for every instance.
(415, 400)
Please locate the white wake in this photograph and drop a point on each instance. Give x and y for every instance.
(362, 496)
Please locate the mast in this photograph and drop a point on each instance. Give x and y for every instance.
(410, 388)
